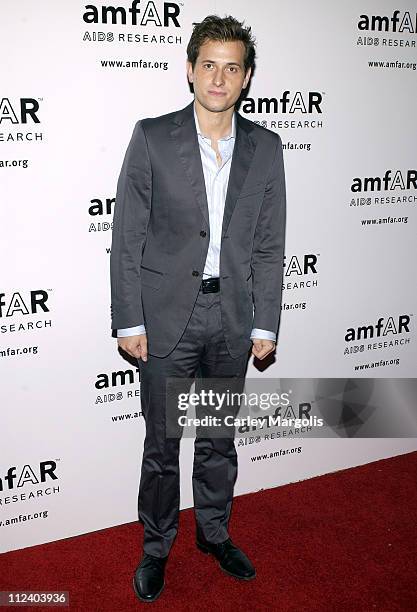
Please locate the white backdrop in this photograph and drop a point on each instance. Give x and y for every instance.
(72, 432)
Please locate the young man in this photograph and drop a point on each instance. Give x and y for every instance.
(196, 278)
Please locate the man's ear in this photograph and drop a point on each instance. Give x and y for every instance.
(189, 68)
(247, 78)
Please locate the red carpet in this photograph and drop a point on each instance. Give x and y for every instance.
(340, 542)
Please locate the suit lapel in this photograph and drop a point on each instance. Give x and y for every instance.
(185, 136)
(241, 160)
(186, 140)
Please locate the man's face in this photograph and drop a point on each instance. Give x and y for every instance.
(219, 74)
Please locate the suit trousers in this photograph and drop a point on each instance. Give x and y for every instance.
(200, 353)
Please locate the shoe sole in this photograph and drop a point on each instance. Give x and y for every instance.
(144, 599)
(205, 550)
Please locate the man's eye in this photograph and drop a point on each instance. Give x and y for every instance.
(208, 65)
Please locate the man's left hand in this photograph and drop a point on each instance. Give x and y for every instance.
(261, 348)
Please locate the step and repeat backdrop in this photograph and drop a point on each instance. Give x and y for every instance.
(337, 81)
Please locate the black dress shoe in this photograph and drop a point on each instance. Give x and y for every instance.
(148, 580)
(231, 559)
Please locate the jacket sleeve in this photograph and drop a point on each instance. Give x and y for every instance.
(267, 260)
(130, 222)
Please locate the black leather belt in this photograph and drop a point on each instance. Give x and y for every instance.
(210, 285)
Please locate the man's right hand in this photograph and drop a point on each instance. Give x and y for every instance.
(136, 346)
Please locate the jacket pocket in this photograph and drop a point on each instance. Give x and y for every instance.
(150, 277)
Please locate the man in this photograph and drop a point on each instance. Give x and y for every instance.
(196, 277)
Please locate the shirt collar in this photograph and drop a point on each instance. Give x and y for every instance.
(228, 137)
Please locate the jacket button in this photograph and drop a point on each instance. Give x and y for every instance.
(203, 234)
(195, 273)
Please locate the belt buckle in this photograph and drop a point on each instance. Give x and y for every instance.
(210, 285)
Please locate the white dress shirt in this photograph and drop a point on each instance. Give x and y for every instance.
(216, 178)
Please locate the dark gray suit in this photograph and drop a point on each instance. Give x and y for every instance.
(161, 208)
(160, 242)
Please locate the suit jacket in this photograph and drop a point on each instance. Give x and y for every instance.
(161, 232)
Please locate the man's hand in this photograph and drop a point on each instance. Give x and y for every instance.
(261, 348)
(136, 346)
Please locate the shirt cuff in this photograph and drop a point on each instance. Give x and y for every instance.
(131, 331)
(263, 334)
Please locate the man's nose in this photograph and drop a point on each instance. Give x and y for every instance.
(218, 77)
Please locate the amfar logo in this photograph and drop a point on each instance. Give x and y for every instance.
(99, 208)
(115, 379)
(390, 181)
(23, 111)
(382, 328)
(296, 102)
(165, 16)
(122, 378)
(32, 303)
(306, 264)
(397, 23)
(304, 410)
(28, 475)
(300, 271)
